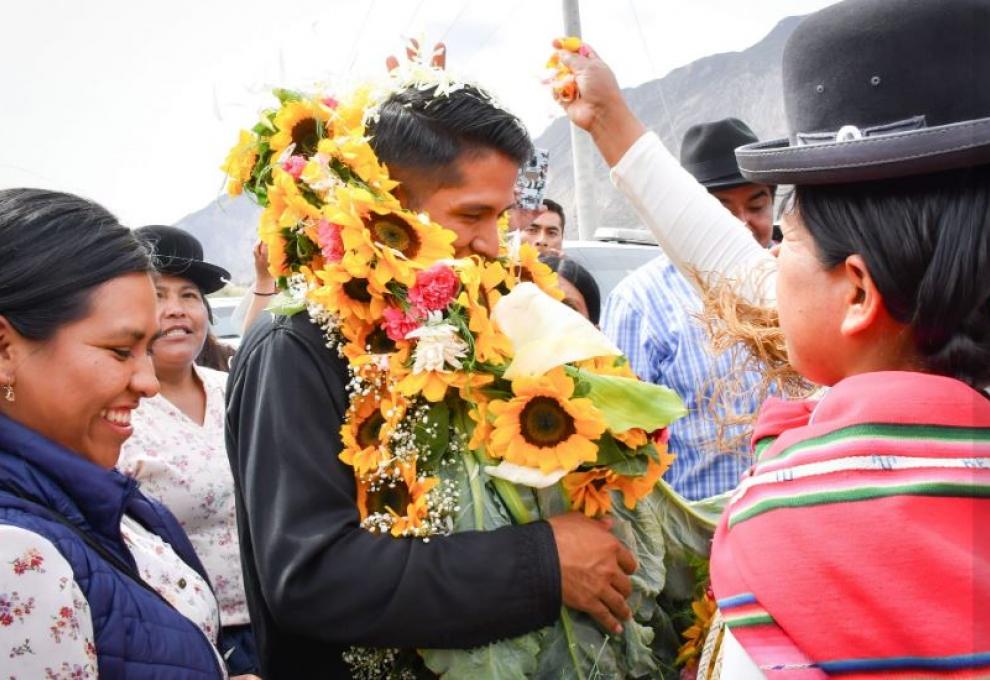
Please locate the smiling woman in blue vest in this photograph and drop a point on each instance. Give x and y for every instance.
(94, 577)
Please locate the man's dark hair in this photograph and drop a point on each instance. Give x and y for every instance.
(926, 243)
(55, 249)
(553, 206)
(423, 135)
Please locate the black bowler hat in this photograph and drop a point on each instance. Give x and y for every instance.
(878, 89)
(708, 152)
(179, 253)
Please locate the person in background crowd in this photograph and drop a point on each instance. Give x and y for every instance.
(546, 230)
(95, 578)
(177, 451)
(708, 153)
(456, 157)
(579, 286)
(652, 316)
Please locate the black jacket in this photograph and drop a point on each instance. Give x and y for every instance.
(317, 583)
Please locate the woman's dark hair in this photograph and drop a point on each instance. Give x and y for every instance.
(215, 354)
(580, 278)
(926, 243)
(55, 249)
(418, 130)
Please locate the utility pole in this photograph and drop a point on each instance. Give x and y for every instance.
(582, 149)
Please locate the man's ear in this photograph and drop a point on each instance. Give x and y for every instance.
(864, 303)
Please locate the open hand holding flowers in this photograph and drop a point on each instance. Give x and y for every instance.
(477, 399)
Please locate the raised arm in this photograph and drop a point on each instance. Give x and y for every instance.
(696, 232)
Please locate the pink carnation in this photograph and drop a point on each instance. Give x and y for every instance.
(330, 102)
(398, 324)
(331, 245)
(435, 288)
(294, 166)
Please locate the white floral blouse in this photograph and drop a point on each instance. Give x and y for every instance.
(46, 630)
(184, 465)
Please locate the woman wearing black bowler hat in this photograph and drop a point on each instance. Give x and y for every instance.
(856, 544)
(177, 451)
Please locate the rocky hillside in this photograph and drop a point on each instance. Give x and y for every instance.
(746, 85)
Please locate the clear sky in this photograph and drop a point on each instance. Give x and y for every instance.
(135, 103)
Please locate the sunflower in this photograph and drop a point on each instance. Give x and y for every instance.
(361, 435)
(635, 488)
(704, 609)
(347, 293)
(433, 384)
(270, 234)
(301, 123)
(529, 268)
(633, 438)
(591, 491)
(612, 365)
(401, 498)
(239, 164)
(403, 241)
(542, 426)
(365, 341)
(482, 426)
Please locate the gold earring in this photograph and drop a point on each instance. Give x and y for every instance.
(8, 391)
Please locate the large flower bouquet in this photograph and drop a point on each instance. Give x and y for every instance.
(476, 398)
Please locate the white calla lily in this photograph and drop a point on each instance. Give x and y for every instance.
(527, 476)
(546, 333)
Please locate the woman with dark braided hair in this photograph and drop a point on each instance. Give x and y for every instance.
(856, 544)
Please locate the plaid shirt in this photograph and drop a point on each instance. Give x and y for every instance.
(650, 315)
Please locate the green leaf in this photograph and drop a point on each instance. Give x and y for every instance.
(609, 451)
(285, 95)
(594, 657)
(582, 388)
(630, 467)
(432, 437)
(628, 403)
(284, 305)
(513, 659)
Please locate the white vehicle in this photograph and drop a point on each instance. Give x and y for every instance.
(226, 324)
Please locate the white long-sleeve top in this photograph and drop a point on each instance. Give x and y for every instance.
(184, 465)
(695, 231)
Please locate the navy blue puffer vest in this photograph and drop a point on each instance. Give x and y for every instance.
(137, 634)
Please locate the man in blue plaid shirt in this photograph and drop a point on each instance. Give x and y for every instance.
(652, 316)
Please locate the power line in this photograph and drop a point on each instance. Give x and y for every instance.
(491, 34)
(360, 34)
(653, 69)
(410, 20)
(456, 19)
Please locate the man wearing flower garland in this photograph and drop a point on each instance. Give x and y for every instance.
(318, 583)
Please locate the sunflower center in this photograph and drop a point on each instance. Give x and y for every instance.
(544, 422)
(305, 135)
(395, 498)
(369, 431)
(395, 233)
(357, 290)
(378, 342)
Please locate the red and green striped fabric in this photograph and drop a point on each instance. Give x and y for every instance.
(858, 545)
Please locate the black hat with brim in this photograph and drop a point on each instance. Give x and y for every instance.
(879, 89)
(708, 152)
(178, 253)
